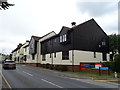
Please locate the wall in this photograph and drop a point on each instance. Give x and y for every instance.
(86, 56)
(79, 56)
(58, 60)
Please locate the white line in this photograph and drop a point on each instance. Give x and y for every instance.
(28, 73)
(51, 83)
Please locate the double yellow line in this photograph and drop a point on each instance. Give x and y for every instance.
(6, 81)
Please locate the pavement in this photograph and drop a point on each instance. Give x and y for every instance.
(35, 77)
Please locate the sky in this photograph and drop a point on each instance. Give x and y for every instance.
(39, 17)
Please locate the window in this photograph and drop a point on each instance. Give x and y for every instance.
(50, 55)
(104, 56)
(55, 55)
(31, 45)
(94, 54)
(60, 38)
(65, 55)
(55, 40)
(43, 57)
(103, 43)
(33, 56)
(63, 38)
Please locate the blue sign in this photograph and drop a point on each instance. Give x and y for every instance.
(87, 66)
(104, 68)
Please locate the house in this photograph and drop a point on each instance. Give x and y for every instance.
(22, 53)
(35, 49)
(85, 43)
(16, 53)
(26, 56)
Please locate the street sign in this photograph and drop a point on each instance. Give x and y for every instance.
(104, 68)
(97, 66)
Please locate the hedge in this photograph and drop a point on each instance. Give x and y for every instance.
(114, 66)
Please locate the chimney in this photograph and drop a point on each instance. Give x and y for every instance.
(27, 40)
(73, 24)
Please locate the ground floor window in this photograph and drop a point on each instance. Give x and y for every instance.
(94, 54)
(43, 57)
(104, 56)
(33, 56)
(55, 54)
(65, 55)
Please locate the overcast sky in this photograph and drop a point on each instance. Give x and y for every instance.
(39, 17)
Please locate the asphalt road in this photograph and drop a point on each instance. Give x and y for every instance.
(35, 77)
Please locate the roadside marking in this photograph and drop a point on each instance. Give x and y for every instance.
(6, 81)
(28, 73)
(106, 80)
(23, 65)
(51, 83)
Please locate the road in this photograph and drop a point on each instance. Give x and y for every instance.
(35, 77)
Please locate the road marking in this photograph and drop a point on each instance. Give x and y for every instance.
(23, 65)
(6, 81)
(51, 83)
(28, 73)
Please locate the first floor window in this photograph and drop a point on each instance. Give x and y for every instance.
(44, 57)
(65, 55)
(60, 38)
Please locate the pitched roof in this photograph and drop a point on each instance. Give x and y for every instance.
(36, 37)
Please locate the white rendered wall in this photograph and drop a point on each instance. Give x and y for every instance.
(86, 56)
(79, 56)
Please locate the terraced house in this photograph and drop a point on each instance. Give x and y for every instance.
(83, 46)
(35, 49)
(16, 53)
(85, 43)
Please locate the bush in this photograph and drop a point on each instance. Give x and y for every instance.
(60, 68)
(117, 58)
(114, 66)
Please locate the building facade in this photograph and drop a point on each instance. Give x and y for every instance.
(84, 43)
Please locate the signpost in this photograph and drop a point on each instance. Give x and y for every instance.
(103, 68)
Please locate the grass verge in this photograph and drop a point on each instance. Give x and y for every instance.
(96, 75)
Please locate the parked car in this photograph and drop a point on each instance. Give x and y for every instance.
(9, 64)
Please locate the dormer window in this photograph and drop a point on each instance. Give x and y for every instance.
(63, 38)
(60, 38)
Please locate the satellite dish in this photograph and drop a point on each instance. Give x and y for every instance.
(4, 4)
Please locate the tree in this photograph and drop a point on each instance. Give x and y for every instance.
(114, 43)
(4, 4)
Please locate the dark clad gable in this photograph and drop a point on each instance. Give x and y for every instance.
(87, 36)
(33, 44)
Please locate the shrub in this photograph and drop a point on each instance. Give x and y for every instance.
(117, 58)
(114, 66)
(60, 68)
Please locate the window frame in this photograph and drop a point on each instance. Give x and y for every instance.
(44, 57)
(65, 55)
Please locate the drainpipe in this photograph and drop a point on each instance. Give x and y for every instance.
(52, 54)
(37, 52)
(73, 25)
(73, 60)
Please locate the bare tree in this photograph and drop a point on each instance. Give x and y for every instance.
(4, 4)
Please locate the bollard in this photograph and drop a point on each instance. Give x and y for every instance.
(115, 74)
